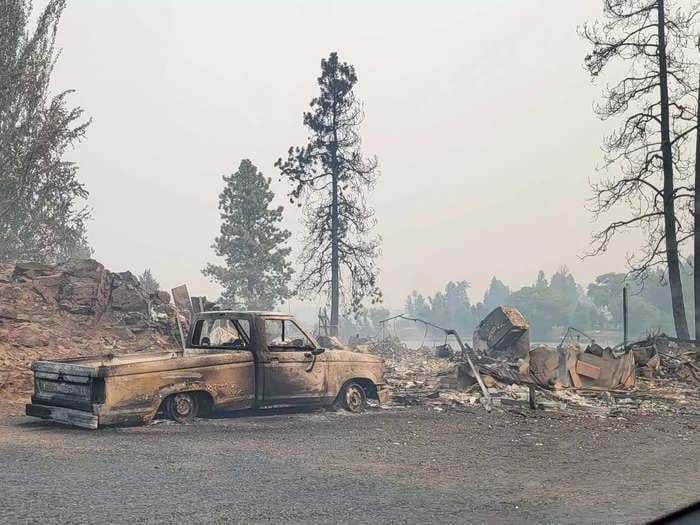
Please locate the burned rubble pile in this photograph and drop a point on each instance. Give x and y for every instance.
(656, 374)
(423, 375)
(74, 309)
(664, 357)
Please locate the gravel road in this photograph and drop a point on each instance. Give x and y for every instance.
(411, 465)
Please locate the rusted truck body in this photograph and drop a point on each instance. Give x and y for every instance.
(232, 360)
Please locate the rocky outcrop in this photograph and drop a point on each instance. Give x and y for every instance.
(73, 309)
(81, 287)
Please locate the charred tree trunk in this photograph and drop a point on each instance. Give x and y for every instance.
(330, 178)
(335, 261)
(674, 273)
(696, 226)
(335, 256)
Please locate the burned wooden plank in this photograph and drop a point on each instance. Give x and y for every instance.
(587, 369)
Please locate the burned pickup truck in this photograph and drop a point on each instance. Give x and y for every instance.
(232, 360)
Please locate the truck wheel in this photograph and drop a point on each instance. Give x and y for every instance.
(353, 398)
(182, 407)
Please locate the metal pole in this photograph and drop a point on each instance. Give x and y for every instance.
(475, 371)
(625, 317)
(179, 327)
(465, 354)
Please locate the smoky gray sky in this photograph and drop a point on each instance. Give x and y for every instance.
(480, 114)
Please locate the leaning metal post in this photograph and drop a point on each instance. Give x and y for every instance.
(625, 318)
(465, 354)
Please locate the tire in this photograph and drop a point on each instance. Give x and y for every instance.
(353, 398)
(182, 407)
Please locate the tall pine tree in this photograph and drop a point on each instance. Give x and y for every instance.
(252, 243)
(332, 177)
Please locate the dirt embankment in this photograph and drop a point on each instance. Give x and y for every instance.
(79, 308)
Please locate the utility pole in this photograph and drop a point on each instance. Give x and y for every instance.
(625, 317)
(696, 215)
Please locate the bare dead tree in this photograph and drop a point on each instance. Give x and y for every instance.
(331, 177)
(649, 152)
(696, 222)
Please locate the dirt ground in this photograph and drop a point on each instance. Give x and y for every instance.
(397, 465)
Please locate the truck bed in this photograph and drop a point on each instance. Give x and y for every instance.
(74, 391)
(126, 364)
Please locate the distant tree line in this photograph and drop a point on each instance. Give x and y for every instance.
(552, 305)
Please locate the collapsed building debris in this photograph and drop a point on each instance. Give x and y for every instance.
(503, 333)
(573, 367)
(665, 357)
(658, 373)
(74, 309)
(465, 353)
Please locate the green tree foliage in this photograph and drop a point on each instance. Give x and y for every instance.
(417, 306)
(450, 308)
(365, 324)
(496, 295)
(331, 178)
(148, 282)
(40, 213)
(649, 301)
(251, 241)
(552, 305)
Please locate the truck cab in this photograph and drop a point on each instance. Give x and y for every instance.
(232, 360)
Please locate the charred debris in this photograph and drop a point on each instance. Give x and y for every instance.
(658, 373)
(67, 310)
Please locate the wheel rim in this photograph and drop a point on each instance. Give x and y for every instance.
(182, 405)
(354, 398)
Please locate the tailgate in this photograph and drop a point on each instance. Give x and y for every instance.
(66, 385)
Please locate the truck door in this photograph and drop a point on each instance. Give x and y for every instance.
(232, 383)
(293, 374)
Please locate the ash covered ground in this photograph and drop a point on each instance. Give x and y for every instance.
(395, 465)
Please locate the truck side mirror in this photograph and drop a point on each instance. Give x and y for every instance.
(317, 351)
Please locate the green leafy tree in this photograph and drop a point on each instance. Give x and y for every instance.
(552, 306)
(331, 178)
(650, 308)
(455, 308)
(541, 283)
(366, 323)
(450, 308)
(417, 306)
(252, 243)
(41, 215)
(496, 295)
